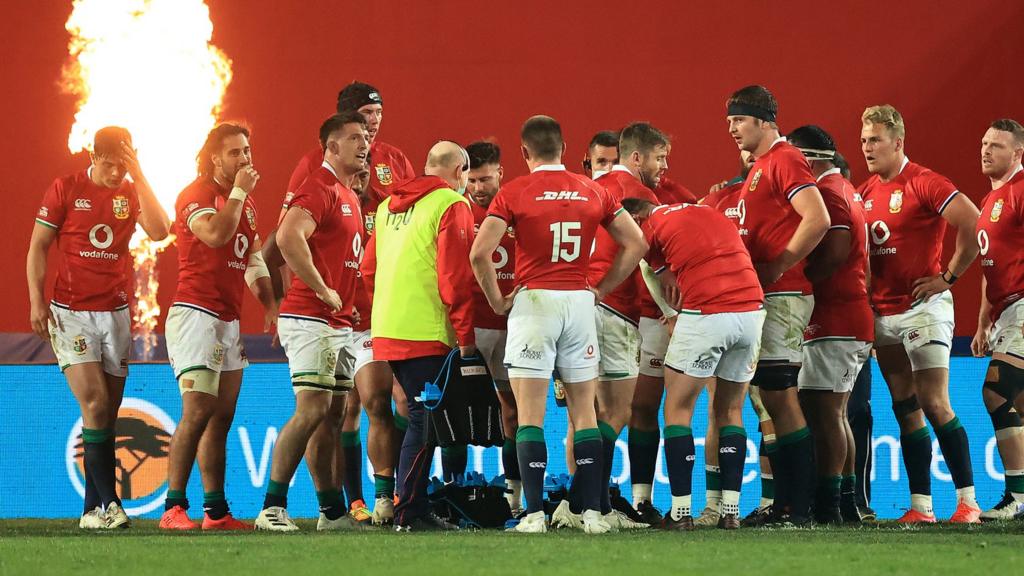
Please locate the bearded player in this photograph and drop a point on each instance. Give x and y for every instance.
(218, 255)
(92, 216)
(1001, 319)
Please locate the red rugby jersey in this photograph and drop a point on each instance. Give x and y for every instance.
(93, 224)
(712, 267)
(1001, 240)
(627, 298)
(335, 246)
(906, 230)
(767, 220)
(556, 215)
(841, 308)
(212, 279)
(392, 168)
(504, 259)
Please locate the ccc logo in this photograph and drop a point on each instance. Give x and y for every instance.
(879, 232)
(983, 242)
(241, 245)
(101, 236)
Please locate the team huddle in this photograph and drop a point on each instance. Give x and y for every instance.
(619, 284)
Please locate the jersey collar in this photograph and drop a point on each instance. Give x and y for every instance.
(550, 168)
(906, 160)
(330, 169)
(828, 172)
(621, 168)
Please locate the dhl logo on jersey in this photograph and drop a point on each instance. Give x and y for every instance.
(571, 195)
(997, 211)
(896, 201)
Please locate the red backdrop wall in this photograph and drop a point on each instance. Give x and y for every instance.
(469, 69)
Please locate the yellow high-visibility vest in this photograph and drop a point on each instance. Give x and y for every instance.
(406, 302)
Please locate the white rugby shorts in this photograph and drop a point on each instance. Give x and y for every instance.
(312, 348)
(925, 331)
(549, 329)
(619, 341)
(82, 336)
(724, 345)
(198, 340)
(491, 345)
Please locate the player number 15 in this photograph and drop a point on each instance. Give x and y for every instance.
(565, 233)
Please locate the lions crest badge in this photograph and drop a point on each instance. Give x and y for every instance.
(384, 175)
(121, 210)
(896, 201)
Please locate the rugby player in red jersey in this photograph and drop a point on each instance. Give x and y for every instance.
(717, 335)
(320, 238)
(218, 255)
(908, 208)
(375, 386)
(837, 341)
(643, 151)
(602, 154)
(485, 175)
(92, 216)
(724, 197)
(551, 321)
(1001, 318)
(781, 219)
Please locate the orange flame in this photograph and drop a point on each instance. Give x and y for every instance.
(147, 65)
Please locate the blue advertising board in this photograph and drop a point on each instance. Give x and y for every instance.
(41, 464)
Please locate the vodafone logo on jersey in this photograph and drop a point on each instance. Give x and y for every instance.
(879, 234)
(983, 242)
(101, 236)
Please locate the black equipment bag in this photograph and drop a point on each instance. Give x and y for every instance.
(462, 406)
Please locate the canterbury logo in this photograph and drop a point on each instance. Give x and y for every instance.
(538, 464)
(727, 450)
(584, 461)
(83, 204)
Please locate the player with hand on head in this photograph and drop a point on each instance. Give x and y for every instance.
(1001, 318)
(908, 208)
(837, 341)
(320, 238)
(218, 255)
(781, 220)
(92, 216)
(551, 322)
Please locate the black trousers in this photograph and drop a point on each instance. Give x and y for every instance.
(858, 411)
(413, 471)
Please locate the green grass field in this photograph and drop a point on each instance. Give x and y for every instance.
(38, 547)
